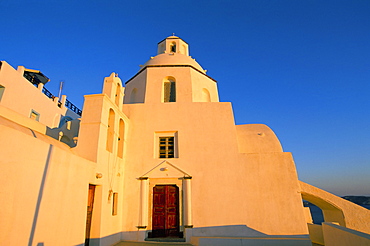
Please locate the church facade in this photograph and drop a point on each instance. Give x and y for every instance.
(158, 158)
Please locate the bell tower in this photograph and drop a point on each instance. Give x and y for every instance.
(173, 44)
(171, 76)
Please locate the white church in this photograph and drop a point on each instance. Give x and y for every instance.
(157, 160)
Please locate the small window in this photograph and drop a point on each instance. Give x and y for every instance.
(169, 91)
(166, 147)
(34, 115)
(115, 203)
(173, 47)
(166, 144)
(2, 89)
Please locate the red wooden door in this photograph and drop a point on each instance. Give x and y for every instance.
(165, 211)
(90, 203)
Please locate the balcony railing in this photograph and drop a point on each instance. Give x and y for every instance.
(73, 107)
(48, 93)
(68, 104)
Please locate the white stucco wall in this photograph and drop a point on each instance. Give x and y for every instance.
(228, 188)
(45, 191)
(23, 97)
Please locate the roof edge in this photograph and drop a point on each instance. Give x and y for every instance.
(170, 66)
(171, 37)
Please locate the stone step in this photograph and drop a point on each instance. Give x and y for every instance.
(151, 243)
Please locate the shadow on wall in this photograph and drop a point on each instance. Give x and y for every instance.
(107, 240)
(67, 132)
(39, 199)
(227, 232)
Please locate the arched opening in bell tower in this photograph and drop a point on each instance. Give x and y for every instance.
(118, 94)
(173, 47)
(110, 130)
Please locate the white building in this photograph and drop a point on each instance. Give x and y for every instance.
(160, 159)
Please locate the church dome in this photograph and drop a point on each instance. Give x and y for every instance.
(173, 59)
(173, 51)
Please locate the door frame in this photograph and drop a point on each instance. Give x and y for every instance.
(173, 232)
(165, 181)
(96, 215)
(89, 213)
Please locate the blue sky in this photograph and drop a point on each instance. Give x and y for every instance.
(301, 67)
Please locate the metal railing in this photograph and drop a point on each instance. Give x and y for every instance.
(68, 104)
(47, 93)
(73, 107)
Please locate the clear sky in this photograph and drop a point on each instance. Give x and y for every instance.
(301, 67)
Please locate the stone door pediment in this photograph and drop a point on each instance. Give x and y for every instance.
(165, 169)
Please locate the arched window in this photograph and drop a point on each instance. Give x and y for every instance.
(118, 94)
(121, 138)
(206, 97)
(110, 132)
(173, 47)
(133, 96)
(169, 89)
